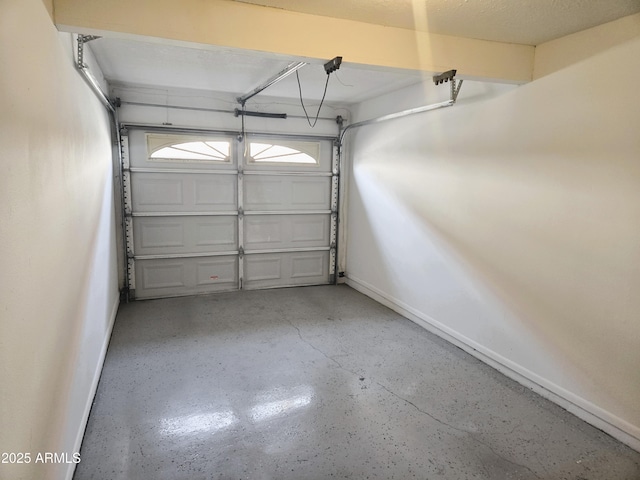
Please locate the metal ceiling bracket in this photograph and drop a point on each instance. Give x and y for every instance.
(444, 76)
(82, 39)
(291, 68)
(90, 79)
(449, 75)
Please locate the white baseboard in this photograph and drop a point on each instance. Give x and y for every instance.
(616, 427)
(94, 387)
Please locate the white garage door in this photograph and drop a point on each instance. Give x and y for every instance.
(209, 213)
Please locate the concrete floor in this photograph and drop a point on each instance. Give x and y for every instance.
(317, 383)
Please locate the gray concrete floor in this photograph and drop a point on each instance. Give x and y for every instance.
(317, 383)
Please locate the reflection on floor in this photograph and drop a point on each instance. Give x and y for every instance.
(315, 383)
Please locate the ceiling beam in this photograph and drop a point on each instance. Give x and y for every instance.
(231, 24)
(557, 54)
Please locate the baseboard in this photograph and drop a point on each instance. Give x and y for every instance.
(618, 428)
(94, 387)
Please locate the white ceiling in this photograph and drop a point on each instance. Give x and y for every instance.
(237, 72)
(528, 22)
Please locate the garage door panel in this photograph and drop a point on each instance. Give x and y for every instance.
(263, 231)
(215, 191)
(216, 233)
(185, 276)
(286, 269)
(286, 231)
(313, 192)
(310, 231)
(153, 234)
(183, 235)
(216, 271)
(199, 224)
(281, 193)
(161, 275)
(183, 192)
(308, 265)
(261, 192)
(260, 268)
(153, 191)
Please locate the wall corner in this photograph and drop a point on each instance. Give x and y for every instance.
(48, 4)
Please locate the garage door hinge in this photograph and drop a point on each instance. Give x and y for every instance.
(241, 251)
(240, 213)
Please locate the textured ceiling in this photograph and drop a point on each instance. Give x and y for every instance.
(528, 22)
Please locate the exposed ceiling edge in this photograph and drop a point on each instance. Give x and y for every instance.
(562, 52)
(257, 28)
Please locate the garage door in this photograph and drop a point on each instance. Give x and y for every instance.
(209, 213)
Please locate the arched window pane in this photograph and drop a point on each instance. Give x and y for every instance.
(206, 150)
(268, 153)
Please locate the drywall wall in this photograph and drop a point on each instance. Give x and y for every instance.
(510, 224)
(58, 283)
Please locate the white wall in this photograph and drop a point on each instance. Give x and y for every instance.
(58, 273)
(510, 224)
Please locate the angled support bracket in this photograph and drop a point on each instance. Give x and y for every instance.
(455, 89)
(288, 70)
(82, 39)
(84, 70)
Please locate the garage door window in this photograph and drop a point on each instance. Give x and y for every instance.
(299, 153)
(167, 147)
